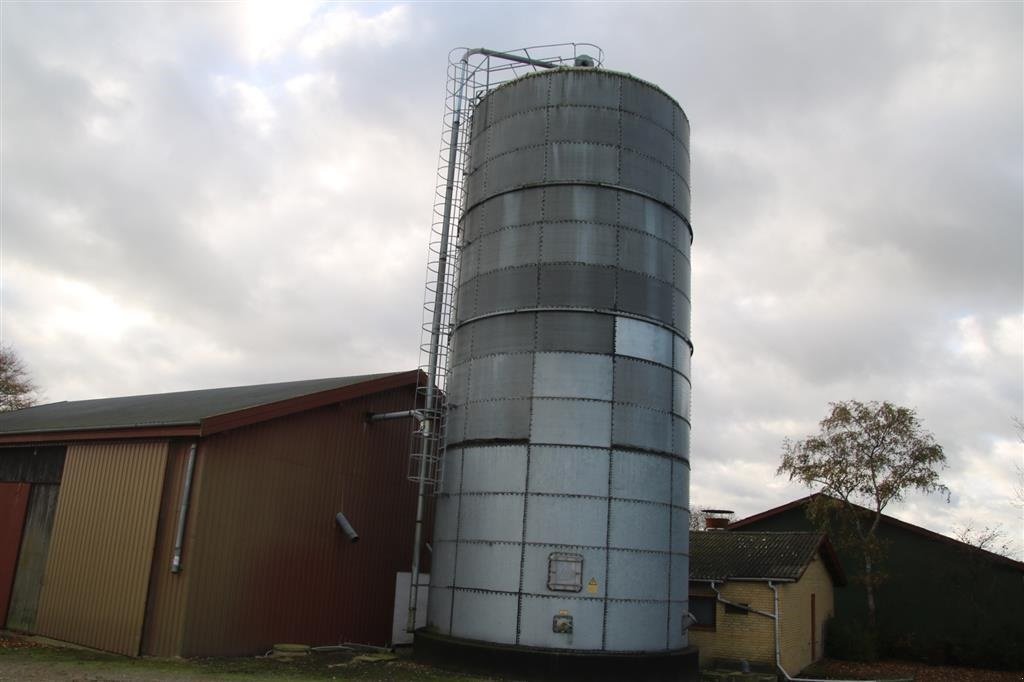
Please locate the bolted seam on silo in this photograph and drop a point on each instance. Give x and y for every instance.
(569, 390)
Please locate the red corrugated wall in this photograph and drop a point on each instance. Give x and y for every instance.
(265, 562)
(13, 503)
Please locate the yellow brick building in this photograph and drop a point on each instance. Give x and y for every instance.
(762, 598)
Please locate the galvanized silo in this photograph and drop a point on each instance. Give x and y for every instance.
(562, 518)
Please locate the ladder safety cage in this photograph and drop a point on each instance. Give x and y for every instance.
(472, 73)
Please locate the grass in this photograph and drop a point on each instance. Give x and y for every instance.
(31, 661)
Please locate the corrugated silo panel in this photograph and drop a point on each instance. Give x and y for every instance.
(655, 106)
(439, 608)
(455, 423)
(637, 575)
(495, 377)
(680, 529)
(585, 88)
(676, 634)
(498, 469)
(529, 93)
(580, 162)
(639, 525)
(682, 354)
(680, 395)
(587, 623)
(643, 295)
(645, 137)
(643, 340)
(641, 213)
(571, 422)
(681, 313)
(641, 476)
(575, 331)
(636, 625)
(510, 171)
(511, 134)
(681, 272)
(452, 471)
(560, 520)
(500, 334)
(583, 203)
(446, 513)
(495, 419)
(642, 383)
(568, 470)
(488, 566)
(681, 437)
(442, 563)
(458, 383)
(572, 375)
(508, 248)
(573, 123)
(580, 242)
(506, 290)
(642, 428)
(487, 616)
(680, 577)
(494, 518)
(577, 286)
(680, 483)
(642, 253)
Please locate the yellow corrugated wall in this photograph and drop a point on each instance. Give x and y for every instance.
(101, 552)
(165, 613)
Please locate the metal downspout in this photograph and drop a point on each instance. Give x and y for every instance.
(778, 639)
(186, 494)
(778, 648)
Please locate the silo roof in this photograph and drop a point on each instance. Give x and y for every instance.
(198, 412)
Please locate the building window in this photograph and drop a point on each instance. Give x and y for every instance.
(703, 609)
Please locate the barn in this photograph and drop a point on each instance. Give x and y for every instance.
(203, 523)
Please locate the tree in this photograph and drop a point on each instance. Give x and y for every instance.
(865, 456)
(16, 387)
(988, 538)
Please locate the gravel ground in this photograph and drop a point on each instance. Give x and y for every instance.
(30, 660)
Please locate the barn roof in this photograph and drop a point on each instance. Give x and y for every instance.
(725, 555)
(199, 412)
(886, 519)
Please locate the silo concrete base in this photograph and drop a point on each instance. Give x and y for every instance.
(546, 664)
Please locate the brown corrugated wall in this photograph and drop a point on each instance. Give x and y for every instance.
(165, 610)
(97, 573)
(266, 562)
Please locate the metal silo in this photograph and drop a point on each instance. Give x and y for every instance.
(562, 518)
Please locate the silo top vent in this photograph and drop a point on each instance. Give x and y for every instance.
(584, 60)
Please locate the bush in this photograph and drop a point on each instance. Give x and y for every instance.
(850, 641)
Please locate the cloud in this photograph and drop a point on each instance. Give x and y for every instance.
(343, 26)
(203, 195)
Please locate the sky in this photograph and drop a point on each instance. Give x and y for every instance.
(216, 194)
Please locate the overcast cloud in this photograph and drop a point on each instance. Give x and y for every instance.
(200, 195)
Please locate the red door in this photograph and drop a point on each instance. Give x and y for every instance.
(13, 503)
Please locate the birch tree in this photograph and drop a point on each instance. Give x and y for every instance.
(865, 457)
